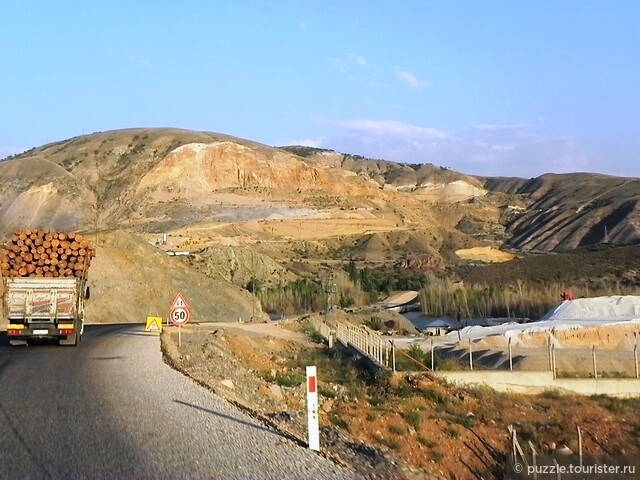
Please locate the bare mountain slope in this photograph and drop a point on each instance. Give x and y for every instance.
(571, 210)
(401, 176)
(216, 189)
(142, 177)
(37, 192)
(131, 280)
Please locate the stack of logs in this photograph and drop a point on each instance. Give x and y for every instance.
(45, 253)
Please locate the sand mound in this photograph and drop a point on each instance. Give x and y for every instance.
(597, 308)
(401, 298)
(606, 321)
(484, 254)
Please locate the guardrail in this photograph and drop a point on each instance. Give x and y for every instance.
(363, 339)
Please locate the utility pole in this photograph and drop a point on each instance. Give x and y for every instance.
(330, 289)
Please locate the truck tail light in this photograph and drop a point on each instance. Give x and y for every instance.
(13, 331)
(66, 331)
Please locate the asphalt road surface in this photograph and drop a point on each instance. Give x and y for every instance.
(111, 408)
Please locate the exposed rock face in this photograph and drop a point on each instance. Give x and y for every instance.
(572, 210)
(159, 180)
(238, 265)
(423, 262)
(198, 168)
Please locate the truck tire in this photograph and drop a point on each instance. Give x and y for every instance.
(71, 340)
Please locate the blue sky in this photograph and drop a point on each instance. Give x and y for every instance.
(513, 88)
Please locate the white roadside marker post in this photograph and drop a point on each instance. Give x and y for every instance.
(312, 409)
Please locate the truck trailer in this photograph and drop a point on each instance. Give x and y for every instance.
(44, 308)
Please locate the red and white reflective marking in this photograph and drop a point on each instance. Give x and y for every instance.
(312, 409)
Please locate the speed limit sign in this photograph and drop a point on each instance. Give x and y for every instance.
(180, 316)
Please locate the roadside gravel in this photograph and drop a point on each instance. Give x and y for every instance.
(230, 361)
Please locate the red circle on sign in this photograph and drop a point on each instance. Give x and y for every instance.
(180, 316)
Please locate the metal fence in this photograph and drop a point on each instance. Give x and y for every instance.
(366, 341)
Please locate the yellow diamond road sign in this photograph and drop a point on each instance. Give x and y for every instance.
(154, 324)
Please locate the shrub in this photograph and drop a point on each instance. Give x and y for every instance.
(452, 432)
(435, 396)
(327, 392)
(404, 390)
(436, 455)
(375, 323)
(425, 441)
(338, 421)
(314, 334)
(392, 443)
(397, 429)
(290, 379)
(413, 418)
(463, 420)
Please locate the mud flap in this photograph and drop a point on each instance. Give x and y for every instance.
(71, 340)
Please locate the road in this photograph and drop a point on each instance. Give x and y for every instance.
(111, 408)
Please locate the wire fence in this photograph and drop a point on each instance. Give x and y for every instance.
(563, 362)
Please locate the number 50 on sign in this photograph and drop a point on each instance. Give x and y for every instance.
(180, 316)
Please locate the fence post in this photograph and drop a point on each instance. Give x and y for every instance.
(595, 367)
(510, 356)
(470, 355)
(635, 359)
(534, 462)
(433, 363)
(580, 446)
(393, 356)
(386, 354)
(553, 360)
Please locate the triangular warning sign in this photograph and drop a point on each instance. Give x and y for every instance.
(154, 324)
(179, 302)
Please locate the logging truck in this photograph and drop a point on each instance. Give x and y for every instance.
(44, 285)
(44, 308)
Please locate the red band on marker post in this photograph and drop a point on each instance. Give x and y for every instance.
(312, 385)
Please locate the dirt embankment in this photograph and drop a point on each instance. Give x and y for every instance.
(250, 365)
(405, 426)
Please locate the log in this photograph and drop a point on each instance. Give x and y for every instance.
(45, 253)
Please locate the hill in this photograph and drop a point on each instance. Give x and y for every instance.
(284, 212)
(589, 267)
(572, 210)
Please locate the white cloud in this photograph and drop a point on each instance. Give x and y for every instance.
(487, 149)
(337, 65)
(390, 127)
(411, 80)
(346, 64)
(307, 142)
(499, 128)
(359, 60)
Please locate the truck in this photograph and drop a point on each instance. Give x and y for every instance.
(44, 308)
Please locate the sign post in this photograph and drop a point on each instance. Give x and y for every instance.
(312, 409)
(179, 314)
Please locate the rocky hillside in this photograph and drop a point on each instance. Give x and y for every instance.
(567, 211)
(206, 189)
(131, 280)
